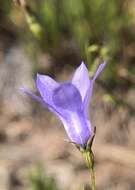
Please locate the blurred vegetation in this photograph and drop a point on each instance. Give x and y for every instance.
(69, 31)
(39, 181)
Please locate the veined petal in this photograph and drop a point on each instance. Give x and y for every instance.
(88, 96)
(46, 86)
(81, 79)
(67, 97)
(78, 128)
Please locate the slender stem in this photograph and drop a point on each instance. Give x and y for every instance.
(89, 158)
(92, 175)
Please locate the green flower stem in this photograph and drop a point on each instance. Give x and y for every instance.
(92, 174)
(89, 158)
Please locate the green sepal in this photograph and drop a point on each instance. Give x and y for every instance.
(90, 141)
(89, 158)
(87, 154)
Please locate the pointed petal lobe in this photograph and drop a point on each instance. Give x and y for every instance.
(99, 70)
(81, 79)
(90, 90)
(46, 86)
(35, 97)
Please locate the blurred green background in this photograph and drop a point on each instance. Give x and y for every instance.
(91, 30)
(57, 34)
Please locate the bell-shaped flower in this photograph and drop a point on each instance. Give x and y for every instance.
(69, 101)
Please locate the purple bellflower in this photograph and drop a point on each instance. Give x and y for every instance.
(69, 101)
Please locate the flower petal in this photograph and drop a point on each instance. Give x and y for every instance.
(78, 128)
(35, 97)
(46, 86)
(81, 79)
(88, 96)
(40, 100)
(67, 97)
(99, 70)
